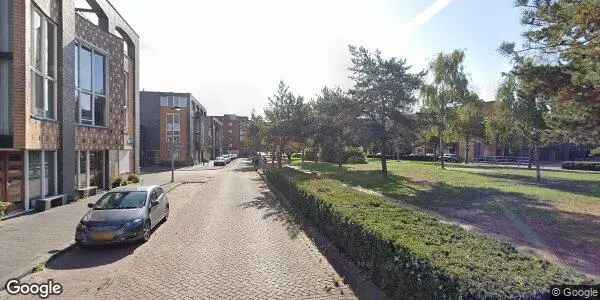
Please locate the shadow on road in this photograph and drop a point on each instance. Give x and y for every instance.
(88, 257)
(82, 258)
(274, 210)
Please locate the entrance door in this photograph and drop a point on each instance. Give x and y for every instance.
(11, 180)
(3, 176)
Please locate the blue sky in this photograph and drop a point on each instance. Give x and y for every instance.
(232, 53)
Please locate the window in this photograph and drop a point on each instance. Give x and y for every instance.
(35, 175)
(43, 66)
(90, 81)
(49, 171)
(83, 169)
(173, 129)
(5, 103)
(5, 43)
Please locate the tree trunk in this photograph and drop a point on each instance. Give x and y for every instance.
(467, 146)
(442, 151)
(384, 171)
(538, 172)
(303, 151)
(531, 157)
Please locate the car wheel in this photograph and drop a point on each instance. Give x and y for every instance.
(147, 231)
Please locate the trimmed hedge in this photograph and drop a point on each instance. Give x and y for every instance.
(581, 165)
(410, 254)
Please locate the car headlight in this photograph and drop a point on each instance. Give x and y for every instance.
(134, 224)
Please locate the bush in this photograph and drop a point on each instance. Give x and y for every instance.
(310, 155)
(412, 255)
(133, 178)
(355, 156)
(581, 165)
(124, 183)
(418, 157)
(3, 207)
(296, 155)
(116, 182)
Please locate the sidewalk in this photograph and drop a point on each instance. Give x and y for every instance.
(30, 240)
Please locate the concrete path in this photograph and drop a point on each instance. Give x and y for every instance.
(227, 237)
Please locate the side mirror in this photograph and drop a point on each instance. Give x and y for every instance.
(91, 205)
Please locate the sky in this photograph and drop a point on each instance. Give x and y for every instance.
(231, 54)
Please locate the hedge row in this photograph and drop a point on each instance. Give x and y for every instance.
(581, 165)
(411, 255)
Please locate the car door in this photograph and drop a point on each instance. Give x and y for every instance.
(155, 212)
(163, 203)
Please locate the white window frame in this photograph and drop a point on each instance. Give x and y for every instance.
(94, 51)
(173, 133)
(43, 71)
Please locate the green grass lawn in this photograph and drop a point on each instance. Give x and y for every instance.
(558, 219)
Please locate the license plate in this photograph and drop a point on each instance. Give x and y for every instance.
(102, 236)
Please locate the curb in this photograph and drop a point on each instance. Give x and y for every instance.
(44, 260)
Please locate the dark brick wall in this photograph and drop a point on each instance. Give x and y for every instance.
(90, 138)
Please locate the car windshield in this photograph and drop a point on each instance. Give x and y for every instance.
(121, 200)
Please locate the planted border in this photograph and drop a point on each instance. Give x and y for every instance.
(410, 254)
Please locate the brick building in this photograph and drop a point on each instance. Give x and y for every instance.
(174, 118)
(235, 134)
(68, 99)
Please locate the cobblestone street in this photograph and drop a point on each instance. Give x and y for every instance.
(226, 238)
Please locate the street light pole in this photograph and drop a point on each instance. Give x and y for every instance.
(173, 164)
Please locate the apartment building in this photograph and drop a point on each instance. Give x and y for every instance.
(174, 124)
(235, 133)
(68, 100)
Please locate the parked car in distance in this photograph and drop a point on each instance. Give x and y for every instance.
(220, 161)
(124, 214)
(450, 157)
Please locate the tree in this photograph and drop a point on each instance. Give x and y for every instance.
(448, 88)
(523, 94)
(285, 114)
(563, 37)
(385, 90)
(468, 122)
(336, 114)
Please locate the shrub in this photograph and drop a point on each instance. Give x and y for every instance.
(410, 254)
(133, 178)
(116, 182)
(355, 156)
(581, 165)
(124, 182)
(297, 156)
(3, 207)
(418, 157)
(310, 155)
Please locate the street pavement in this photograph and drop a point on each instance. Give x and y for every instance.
(31, 239)
(227, 237)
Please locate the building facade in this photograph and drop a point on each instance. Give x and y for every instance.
(235, 134)
(68, 100)
(174, 124)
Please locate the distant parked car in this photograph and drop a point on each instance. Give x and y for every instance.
(122, 215)
(450, 157)
(220, 161)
